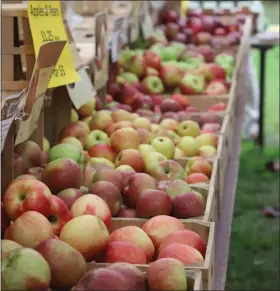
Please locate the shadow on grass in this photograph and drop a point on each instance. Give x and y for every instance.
(254, 250)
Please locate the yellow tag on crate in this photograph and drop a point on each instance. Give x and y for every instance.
(46, 24)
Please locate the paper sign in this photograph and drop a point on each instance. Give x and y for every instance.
(46, 24)
(82, 91)
(146, 21)
(46, 61)
(117, 39)
(8, 113)
(135, 22)
(101, 61)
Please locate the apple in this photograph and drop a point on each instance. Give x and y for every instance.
(62, 174)
(25, 195)
(203, 38)
(152, 203)
(225, 58)
(122, 251)
(144, 135)
(207, 52)
(220, 31)
(170, 105)
(121, 115)
(169, 169)
(199, 165)
(74, 115)
(19, 167)
(58, 214)
(160, 227)
(187, 205)
(214, 71)
(141, 122)
(36, 171)
(124, 138)
(125, 57)
(176, 187)
(137, 184)
(128, 78)
(164, 145)
(196, 178)
(172, 29)
(211, 128)
(65, 151)
(46, 145)
(188, 128)
(69, 196)
(25, 269)
(189, 145)
(181, 99)
(30, 229)
(145, 149)
(195, 24)
(127, 172)
(135, 235)
(87, 109)
(102, 151)
(184, 253)
(30, 153)
(96, 137)
(132, 158)
(7, 246)
(71, 266)
(146, 102)
(152, 60)
(192, 84)
(118, 125)
(208, 139)
(170, 75)
(166, 274)
(153, 85)
(216, 88)
(90, 239)
(179, 154)
(128, 212)
(137, 65)
(109, 175)
(185, 237)
(121, 276)
(221, 106)
(170, 16)
(169, 124)
(91, 204)
(100, 120)
(191, 109)
(73, 141)
(174, 137)
(207, 151)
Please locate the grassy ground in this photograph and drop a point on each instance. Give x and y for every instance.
(254, 250)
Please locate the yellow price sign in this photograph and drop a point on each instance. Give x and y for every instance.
(46, 24)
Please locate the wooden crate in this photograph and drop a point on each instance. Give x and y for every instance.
(194, 278)
(206, 230)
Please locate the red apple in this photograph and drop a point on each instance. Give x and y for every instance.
(195, 24)
(181, 99)
(131, 158)
(69, 196)
(101, 151)
(26, 195)
(152, 60)
(128, 212)
(196, 178)
(170, 16)
(216, 88)
(218, 107)
(207, 52)
(214, 71)
(203, 38)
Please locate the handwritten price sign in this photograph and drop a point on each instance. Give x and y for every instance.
(46, 24)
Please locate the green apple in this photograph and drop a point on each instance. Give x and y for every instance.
(124, 56)
(180, 47)
(177, 187)
(189, 145)
(164, 145)
(65, 151)
(168, 54)
(224, 58)
(96, 136)
(73, 141)
(188, 128)
(128, 78)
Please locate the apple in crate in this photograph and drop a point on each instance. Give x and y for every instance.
(169, 123)
(62, 174)
(65, 151)
(176, 187)
(8, 246)
(185, 237)
(109, 193)
(159, 227)
(87, 234)
(30, 229)
(152, 60)
(73, 141)
(221, 106)
(192, 84)
(128, 212)
(87, 109)
(216, 88)
(214, 71)
(170, 75)
(199, 165)
(167, 274)
(188, 128)
(152, 203)
(19, 166)
(138, 183)
(25, 269)
(208, 139)
(211, 128)
(101, 119)
(125, 138)
(30, 153)
(189, 145)
(109, 175)
(68, 269)
(207, 151)
(69, 196)
(96, 137)
(153, 85)
(164, 145)
(132, 158)
(196, 178)
(121, 115)
(127, 172)
(184, 253)
(93, 205)
(100, 150)
(25, 195)
(141, 122)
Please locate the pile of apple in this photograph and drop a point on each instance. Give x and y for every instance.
(35, 256)
(202, 29)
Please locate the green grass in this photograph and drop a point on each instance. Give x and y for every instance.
(254, 249)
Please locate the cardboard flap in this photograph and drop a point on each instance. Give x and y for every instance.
(47, 59)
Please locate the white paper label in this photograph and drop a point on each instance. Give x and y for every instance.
(8, 114)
